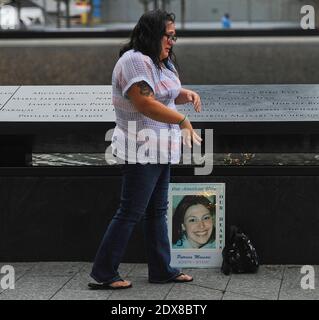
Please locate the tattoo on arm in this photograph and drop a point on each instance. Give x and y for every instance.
(145, 89)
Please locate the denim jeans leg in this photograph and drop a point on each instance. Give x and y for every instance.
(156, 231)
(138, 184)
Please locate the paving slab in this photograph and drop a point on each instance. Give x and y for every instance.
(237, 296)
(20, 268)
(264, 284)
(79, 282)
(65, 294)
(291, 285)
(185, 291)
(34, 288)
(211, 278)
(26, 295)
(56, 269)
(273, 271)
(206, 277)
(142, 290)
(68, 281)
(139, 270)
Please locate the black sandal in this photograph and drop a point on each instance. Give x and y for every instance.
(181, 280)
(105, 286)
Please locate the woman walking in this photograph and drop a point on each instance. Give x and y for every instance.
(146, 89)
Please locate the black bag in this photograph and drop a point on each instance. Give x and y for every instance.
(239, 255)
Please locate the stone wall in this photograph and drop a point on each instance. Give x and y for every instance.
(260, 60)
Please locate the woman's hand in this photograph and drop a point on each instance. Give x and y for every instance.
(188, 134)
(187, 96)
(194, 98)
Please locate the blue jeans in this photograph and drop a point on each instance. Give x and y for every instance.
(144, 196)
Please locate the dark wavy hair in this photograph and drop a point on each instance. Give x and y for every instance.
(147, 35)
(178, 217)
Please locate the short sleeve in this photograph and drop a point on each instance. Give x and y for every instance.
(136, 67)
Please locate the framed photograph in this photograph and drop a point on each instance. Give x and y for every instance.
(196, 223)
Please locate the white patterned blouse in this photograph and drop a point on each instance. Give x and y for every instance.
(137, 138)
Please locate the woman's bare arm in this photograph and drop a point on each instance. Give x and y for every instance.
(142, 97)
